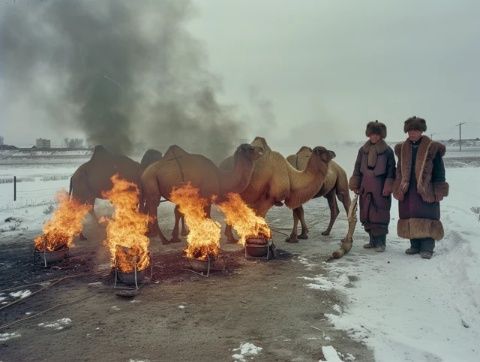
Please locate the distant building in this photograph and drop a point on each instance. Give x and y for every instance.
(1, 141)
(43, 143)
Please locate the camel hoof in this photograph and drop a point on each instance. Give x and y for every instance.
(175, 240)
(184, 233)
(303, 236)
(232, 241)
(291, 240)
(326, 233)
(82, 237)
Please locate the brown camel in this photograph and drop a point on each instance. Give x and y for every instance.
(93, 178)
(334, 185)
(179, 167)
(275, 181)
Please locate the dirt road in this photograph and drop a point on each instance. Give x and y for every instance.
(178, 316)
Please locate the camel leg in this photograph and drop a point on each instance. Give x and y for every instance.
(229, 234)
(184, 228)
(332, 203)
(301, 216)
(153, 228)
(175, 233)
(293, 236)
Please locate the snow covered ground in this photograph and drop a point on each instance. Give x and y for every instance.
(403, 307)
(409, 309)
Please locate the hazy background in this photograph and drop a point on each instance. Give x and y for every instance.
(208, 74)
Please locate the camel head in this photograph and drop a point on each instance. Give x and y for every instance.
(323, 154)
(262, 143)
(248, 152)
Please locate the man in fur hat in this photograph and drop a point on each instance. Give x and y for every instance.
(372, 179)
(419, 187)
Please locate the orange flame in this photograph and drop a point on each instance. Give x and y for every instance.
(243, 219)
(126, 230)
(204, 237)
(64, 226)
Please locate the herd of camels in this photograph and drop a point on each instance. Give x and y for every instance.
(262, 177)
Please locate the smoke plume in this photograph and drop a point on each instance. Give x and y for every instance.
(123, 72)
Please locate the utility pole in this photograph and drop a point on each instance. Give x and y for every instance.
(460, 134)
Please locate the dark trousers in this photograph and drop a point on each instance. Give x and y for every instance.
(377, 240)
(424, 244)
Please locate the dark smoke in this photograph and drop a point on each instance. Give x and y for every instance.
(121, 71)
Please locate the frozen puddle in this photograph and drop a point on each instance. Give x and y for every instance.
(7, 336)
(246, 351)
(58, 325)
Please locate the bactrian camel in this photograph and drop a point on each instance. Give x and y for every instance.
(275, 181)
(179, 167)
(334, 185)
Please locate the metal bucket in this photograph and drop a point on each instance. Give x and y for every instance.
(129, 278)
(257, 247)
(200, 266)
(49, 257)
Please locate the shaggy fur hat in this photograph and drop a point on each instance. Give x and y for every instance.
(415, 123)
(376, 128)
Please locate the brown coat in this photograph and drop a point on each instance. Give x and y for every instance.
(420, 186)
(372, 178)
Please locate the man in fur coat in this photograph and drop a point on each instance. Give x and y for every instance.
(419, 187)
(372, 179)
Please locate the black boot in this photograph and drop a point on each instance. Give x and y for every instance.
(414, 247)
(380, 242)
(426, 248)
(371, 244)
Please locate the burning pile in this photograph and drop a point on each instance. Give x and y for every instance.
(65, 224)
(204, 237)
(243, 219)
(126, 230)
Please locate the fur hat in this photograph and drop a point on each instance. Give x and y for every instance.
(415, 123)
(376, 128)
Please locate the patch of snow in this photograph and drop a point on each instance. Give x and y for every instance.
(95, 284)
(330, 354)
(21, 294)
(304, 261)
(7, 336)
(337, 309)
(181, 307)
(246, 350)
(408, 308)
(2, 299)
(322, 282)
(115, 308)
(58, 325)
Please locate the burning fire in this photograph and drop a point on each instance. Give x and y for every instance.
(126, 230)
(243, 219)
(64, 226)
(204, 237)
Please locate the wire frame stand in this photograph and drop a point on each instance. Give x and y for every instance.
(138, 275)
(270, 252)
(202, 267)
(48, 257)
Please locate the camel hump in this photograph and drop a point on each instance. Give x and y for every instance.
(175, 150)
(291, 159)
(261, 142)
(304, 149)
(100, 151)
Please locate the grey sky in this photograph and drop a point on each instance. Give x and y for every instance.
(313, 72)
